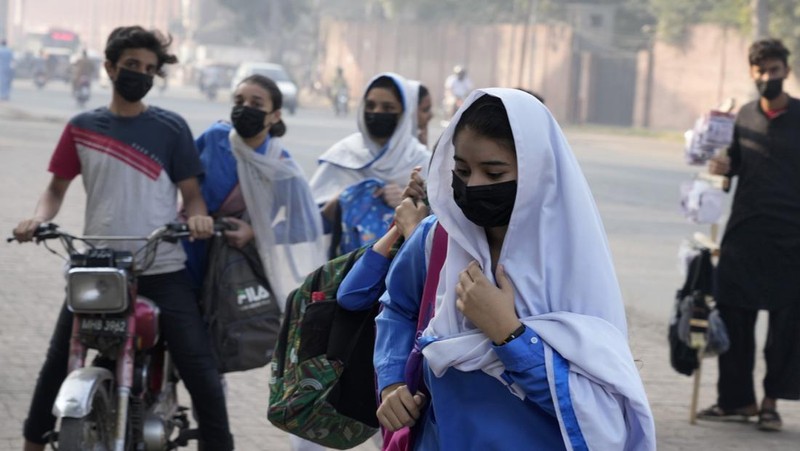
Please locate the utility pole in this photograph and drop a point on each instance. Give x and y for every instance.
(759, 16)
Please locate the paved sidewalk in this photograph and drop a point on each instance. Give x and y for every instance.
(669, 394)
(31, 290)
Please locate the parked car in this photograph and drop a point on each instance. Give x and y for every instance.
(274, 71)
(211, 76)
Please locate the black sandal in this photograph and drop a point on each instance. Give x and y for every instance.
(715, 413)
(769, 420)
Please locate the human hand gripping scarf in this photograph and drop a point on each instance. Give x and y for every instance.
(557, 256)
(284, 217)
(357, 157)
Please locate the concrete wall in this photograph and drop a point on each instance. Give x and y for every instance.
(688, 81)
(498, 55)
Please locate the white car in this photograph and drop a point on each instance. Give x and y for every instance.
(277, 73)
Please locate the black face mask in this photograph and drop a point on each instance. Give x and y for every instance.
(381, 125)
(770, 89)
(248, 121)
(485, 205)
(132, 85)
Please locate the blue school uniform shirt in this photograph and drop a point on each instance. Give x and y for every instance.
(365, 282)
(467, 410)
(220, 178)
(220, 164)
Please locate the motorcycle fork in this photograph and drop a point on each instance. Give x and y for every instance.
(77, 350)
(125, 365)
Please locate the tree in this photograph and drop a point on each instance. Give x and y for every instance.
(675, 17)
(760, 18)
(463, 11)
(784, 17)
(779, 18)
(273, 21)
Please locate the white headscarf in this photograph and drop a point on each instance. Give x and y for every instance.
(556, 254)
(357, 157)
(286, 221)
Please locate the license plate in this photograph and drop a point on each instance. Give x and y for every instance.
(116, 327)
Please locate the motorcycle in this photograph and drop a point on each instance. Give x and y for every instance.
(82, 90)
(40, 79)
(126, 399)
(451, 104)
(211, 91)
(341, 101)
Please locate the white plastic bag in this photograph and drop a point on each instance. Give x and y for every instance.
(701, 202)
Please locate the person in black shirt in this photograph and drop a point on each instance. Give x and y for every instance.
(759, 265)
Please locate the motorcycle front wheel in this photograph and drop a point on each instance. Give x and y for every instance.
(94, 432)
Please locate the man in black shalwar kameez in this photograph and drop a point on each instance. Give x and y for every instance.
(759, 265)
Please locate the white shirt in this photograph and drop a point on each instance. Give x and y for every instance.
(459, 88)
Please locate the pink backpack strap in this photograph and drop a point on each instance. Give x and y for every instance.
(403, 439)
(435, 264)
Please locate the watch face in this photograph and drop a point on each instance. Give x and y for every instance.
(520, 330)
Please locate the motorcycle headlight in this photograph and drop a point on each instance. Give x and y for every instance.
(97, 290)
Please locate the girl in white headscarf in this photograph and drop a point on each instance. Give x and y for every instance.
(383, 148)
(528, 346)
(423, 110)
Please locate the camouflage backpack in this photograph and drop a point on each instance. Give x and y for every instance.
(323, 383)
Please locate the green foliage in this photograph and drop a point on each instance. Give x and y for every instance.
(676, 16)
(635, 24)
(784, 23)
(254, 16)
(471, 11)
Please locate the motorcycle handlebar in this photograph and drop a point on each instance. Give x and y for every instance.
(45, 231)
(177, 230)
(170, 232)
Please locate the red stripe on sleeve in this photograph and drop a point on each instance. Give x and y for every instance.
(65, 162)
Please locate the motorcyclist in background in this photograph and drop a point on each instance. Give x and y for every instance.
(83, 70)
(83, 66)
(457, 87)
(339, 92)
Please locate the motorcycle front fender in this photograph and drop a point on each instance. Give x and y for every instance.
(75, 396)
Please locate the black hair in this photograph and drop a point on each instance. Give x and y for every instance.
(136, 37)
(423, 92)
(765, 49)
(487, 117)
(279, 128)
(535, 94)
(386, 82)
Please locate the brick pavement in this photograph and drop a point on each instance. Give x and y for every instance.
(31, 290)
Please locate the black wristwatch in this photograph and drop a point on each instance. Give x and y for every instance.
(517, 332)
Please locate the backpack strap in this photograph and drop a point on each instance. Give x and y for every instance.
(336, 232)
(435, 264)
(413, 370)
(700, 275)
